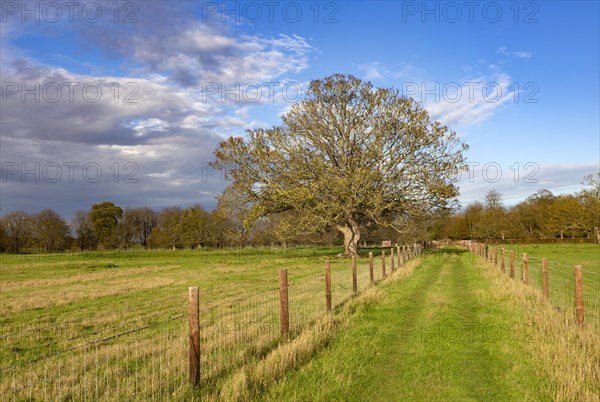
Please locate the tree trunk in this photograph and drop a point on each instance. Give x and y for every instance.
(351, 234)
(597, 230)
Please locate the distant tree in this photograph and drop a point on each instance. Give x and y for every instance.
(449, 225)
(520, 221)
(566, 217)
(493, 223)
(590, 199)
(17, 226)
(128, 227)
(195, 226)
(439, 227)
(105, 219)
(137, 224)
(493, 199)
(157, 239)
(217, 226)
(347, 155)
(83, 229)
(473, 216)
(4, 240)
(538, 208)
(458, 227)
(171, 227)
(50, 231)
(147, 219)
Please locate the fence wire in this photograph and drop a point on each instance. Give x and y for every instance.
(561, 282)
(142, 354)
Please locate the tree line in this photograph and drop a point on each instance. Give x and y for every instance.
(107, 226)
(542, 215)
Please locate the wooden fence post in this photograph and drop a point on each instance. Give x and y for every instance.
(512, 264)
(398, 253)
(392, 268)
(502, 260)
(545, 277)
(401, 257)
(284, 312)
(354, 279)
(496, 257)
(328, 285)
(383, 263)
(579, 295)
(371, 276)
(525, 270)
(194, 322)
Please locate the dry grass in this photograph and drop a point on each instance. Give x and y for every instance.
(52, 296)
(568, 354)
(80, 278)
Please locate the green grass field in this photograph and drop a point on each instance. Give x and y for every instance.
(113, 326)
(56, 302)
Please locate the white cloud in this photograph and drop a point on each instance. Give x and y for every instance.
(469, 101)
(374, 70)
(371, 70)
(516, 184)
(518, 53)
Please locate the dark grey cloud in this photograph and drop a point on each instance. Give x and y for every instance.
(152, 141)
(67, 177)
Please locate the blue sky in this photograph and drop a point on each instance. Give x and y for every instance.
(149, 142)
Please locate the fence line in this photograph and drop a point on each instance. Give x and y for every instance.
(576, 293)
(152, 360)
(297, 309)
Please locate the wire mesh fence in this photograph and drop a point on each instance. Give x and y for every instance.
(142, 353)
(561, 281)
(141, 363)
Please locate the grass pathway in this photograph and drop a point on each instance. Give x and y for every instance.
(441, 334)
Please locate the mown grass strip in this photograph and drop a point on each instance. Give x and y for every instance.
(453, 331)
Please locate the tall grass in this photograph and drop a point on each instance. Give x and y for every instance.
(568, 354)
(561, 280)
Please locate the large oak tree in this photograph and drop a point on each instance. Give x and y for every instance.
(346, 156)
